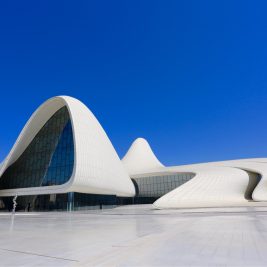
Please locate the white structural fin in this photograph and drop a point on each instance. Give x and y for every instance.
(140, 158)
(97, 168)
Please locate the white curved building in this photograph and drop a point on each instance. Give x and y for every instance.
(62, 149)
(64, 159)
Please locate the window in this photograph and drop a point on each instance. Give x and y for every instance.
(157, 186)
(49, 158)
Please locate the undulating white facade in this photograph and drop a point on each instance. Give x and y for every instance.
(97, 169)
(140, 158)
(223, 183)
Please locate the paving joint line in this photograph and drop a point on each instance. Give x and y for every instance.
(36, 254)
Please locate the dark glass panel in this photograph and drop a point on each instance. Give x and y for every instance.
(64, 202)
(157, 186)
(49, 158)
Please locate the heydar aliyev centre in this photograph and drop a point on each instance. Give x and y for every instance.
(63, 160)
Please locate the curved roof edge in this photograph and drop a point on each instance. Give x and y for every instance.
(140, 158)
(97, 167)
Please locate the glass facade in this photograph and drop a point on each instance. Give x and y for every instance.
(60, 202)
(148, 190)
(157, 186)
(49, 158)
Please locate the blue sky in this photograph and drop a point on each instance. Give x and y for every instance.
(189, 76)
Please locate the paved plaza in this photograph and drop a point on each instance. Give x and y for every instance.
(136, 236)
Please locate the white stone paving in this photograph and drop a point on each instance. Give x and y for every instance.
(137, 236)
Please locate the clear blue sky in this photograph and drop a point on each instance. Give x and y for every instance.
(189, 76)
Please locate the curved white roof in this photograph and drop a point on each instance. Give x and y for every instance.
(97, 167)
(217, 183)
(140, 158)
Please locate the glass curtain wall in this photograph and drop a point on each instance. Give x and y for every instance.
(49, 158)
(153, 187)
